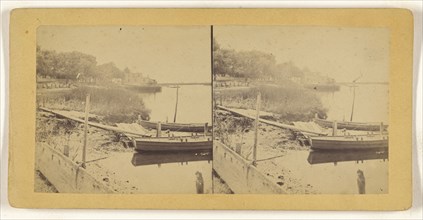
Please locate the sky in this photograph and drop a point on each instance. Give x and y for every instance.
(182, 54)
(167, 54)
(340, 53)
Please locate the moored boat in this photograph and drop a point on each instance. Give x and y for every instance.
(173, 144)
(362, 126)
(147, 88)
(181, 127)
(351, 142)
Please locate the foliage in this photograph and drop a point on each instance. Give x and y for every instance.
(73, 65)
(257, 65)
(65, 65)
(250, 64)
(108, 71)
(290, 102)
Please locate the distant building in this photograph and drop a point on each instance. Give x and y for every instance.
(117, 80)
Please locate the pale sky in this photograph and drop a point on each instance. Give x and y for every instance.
(167, 54)
(341, 53)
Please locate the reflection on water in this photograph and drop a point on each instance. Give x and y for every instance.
(371, 103)
(342, 172)
(142, 159)
(326, 178)
(316, 157)
(194, 104)
(173, 172)
(168, 177)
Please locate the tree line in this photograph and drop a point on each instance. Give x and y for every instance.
(75, 65)
(255, 64)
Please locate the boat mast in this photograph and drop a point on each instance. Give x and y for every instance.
(352, 108)
(176, 105)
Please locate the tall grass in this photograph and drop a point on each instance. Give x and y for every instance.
(291, 103)
(114, 104)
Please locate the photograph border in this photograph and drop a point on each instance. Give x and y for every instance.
(23, 26)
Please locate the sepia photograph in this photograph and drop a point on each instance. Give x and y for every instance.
(123, 109)
(210, 109)
(300, 109)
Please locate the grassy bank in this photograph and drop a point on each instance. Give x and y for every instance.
(113, 104)
(290, 102)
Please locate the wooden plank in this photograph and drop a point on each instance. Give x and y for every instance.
(93, 124)
(134, 127)
(240, 175)
(64, 174)
(273, 123)
(84, 149)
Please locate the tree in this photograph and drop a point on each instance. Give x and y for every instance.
(250, 64)
(65, 65)
(108, 71)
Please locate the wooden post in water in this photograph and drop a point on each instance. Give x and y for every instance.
(199, 183)
(334, 127)
(84, 149)
(256, 124)
(381, 128)
(206, 125)
(361, 182)
(159, 129)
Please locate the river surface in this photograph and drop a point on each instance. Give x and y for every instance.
(336, 172)
(159, 174)
(171, 172)
(371, 103)
(194, 104)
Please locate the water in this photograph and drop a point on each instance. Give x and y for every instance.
(371, 103)
(161, 177)
(171, 172)
(339, 177)
(336, 172)
(194, 104)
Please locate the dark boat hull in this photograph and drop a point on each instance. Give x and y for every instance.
(353, 144)
(351, 125)
(174, 145)
(318, 157)
(141, 159)
(323, 87)
(144, 88)
(176, 126)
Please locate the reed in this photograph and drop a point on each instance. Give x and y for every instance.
(290, 102)
(112, 104)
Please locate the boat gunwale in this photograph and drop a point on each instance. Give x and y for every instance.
(199, 125)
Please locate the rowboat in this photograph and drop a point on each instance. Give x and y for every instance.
(318, 157)
(350, 142)
(372, 126)
(147, 88)
(323, 86)
(173, 144)
(149, 158)
(182, 127)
